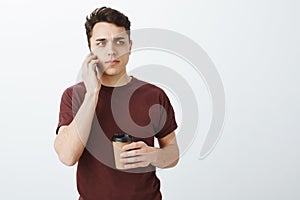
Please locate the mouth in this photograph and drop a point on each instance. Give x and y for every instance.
(112, 62)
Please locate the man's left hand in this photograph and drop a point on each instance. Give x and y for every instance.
(138, 154)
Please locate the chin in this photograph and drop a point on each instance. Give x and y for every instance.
(111, 72)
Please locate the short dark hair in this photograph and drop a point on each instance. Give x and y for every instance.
(108, 15)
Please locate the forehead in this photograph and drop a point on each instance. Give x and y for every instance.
(107, 30)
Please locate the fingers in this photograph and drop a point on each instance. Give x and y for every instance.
(89, 67)
(90, 62)
(93, 63)
(138, 154)
(88, 59)
(132, 159)
(90, 75)
(134, 145)
(131, 153)
(134, 155)
(140, 160)
(136, 165)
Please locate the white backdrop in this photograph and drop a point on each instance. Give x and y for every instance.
(254, 45)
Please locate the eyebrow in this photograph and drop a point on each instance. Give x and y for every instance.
(119, 38)
(116, 38)
(100, 39)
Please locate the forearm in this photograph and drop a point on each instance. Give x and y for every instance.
(166, 157)
(71, 140)
(82, 122)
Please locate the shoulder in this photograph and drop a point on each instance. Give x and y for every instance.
(78, 88)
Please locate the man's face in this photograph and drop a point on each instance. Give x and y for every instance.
(112, 46)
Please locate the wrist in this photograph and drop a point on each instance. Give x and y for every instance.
(155, 156)
(92, 96)
(92, 93)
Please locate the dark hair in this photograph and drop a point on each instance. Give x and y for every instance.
(109, 15)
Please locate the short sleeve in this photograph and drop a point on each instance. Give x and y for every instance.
(167, 123)
(71, 100)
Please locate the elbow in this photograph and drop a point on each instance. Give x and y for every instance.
(173, 164)
(170, 165)
(176, 158)
(67, 161)
(66, 157)
(174, 161)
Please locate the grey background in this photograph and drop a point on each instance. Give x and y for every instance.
(254, 45)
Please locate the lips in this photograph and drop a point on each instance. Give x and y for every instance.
(112, 62)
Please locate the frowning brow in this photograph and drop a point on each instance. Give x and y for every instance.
(119, 38)
(115, 39)
(100, 39)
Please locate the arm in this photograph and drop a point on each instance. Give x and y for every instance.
(140, 154)
(168, 154)
(71, 140)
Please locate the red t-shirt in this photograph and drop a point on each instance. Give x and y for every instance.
(137, 108)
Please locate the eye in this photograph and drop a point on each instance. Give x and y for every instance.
(120, 42)
(101, 43)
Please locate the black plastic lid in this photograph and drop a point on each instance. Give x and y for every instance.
(122, 137)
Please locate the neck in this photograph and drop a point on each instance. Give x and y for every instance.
(115, 81)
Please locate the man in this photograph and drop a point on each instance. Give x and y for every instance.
(109, 101)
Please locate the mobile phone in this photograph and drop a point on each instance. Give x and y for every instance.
(99, 68)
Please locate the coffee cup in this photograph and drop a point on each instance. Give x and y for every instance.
(118, 141)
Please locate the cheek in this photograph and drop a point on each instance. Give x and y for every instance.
(122, 50)
(99, 52)
(124, 58)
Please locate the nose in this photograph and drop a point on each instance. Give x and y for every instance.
(111, 51)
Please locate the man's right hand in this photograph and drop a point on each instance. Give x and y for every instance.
(90, 75)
